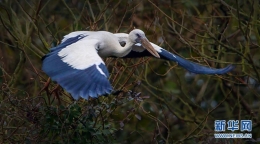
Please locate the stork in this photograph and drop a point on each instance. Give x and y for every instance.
(76, 63)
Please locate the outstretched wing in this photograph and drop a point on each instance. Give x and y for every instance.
(76, 66)
(139, 51)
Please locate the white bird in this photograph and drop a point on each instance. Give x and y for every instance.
(77, 66)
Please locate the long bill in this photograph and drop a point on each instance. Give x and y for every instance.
(147, 45)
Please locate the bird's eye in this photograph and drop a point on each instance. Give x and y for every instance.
(138, 35)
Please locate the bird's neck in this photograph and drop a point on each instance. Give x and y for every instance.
(123, 51)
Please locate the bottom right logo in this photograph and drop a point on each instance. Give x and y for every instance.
(244, 126)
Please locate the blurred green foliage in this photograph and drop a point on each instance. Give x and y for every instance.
(161, 102)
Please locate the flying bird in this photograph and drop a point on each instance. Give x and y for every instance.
(76, 63)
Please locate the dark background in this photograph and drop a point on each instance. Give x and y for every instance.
(161, 102)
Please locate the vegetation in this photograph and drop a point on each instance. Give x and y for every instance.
(160, 102)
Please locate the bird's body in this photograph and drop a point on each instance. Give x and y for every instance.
(77, 66)
(105, 45)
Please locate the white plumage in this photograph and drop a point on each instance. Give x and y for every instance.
(77, 66)
(76, 63)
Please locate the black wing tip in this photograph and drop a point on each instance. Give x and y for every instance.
(232, 66)
(210, 71)
(223, 71)
(229, 68)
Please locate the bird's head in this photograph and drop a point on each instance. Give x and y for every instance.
(138, 36)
